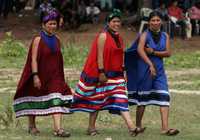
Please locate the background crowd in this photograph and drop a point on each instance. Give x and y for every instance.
(182, 16)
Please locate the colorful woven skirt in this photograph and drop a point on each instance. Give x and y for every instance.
(109, 96)
(42, 105)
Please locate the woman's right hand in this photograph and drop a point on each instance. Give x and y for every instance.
(37, 82)
(152, 70)
(102, 78)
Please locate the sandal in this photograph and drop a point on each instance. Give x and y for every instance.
(140, 129)
(33, 131)
(92, 132)
(171, 132)
(136, 131)
(61, 133)
(133, 132)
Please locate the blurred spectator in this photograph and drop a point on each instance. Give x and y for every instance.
(147, 3)
(185, 4)
(106, 4)
(119, 4)
(132, 18)
(144, 16)
(71, 17)
(165, 18)
(194, 14)
(93, 13)
(131, 6)
(156, 4)
(45, 7)
(177, 18)
(31, 4)
(82, 11)
(37, 3)
(131, 21)
(20, 5)
(163, 10)
(5, 7)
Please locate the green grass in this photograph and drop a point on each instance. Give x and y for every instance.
(185, 81)
(13, 55)
(74, 56)
(12, 52)
(183, 60)
(193, 86)
(184, 115)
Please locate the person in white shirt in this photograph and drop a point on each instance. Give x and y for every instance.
(93, 13)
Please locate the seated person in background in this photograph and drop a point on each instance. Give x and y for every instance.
(144, 17)
(71, 17)
(131, 21)
(177, 17)
(19, 6)
(93, 13)
(165, 18)
(194, 14)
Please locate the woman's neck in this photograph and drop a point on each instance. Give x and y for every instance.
(47, 33)
(113, 31)
(155, 31)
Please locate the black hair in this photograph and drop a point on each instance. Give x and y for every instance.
(153, 14)
(113, 14)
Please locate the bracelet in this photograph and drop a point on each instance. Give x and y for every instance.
(123, 68)
(101, 70)
(34, 73)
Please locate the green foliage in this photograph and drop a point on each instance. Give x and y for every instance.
(184, 60)
(11, 47)
(184, 115)
(74, 56)
(6, 116)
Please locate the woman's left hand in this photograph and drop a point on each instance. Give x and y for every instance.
(102, 78)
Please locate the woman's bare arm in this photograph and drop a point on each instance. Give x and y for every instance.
(143, 55)
(141, 50)
(34, 54)
(34, 64)
(100, 44)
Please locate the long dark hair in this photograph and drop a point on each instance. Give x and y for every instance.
(153, 14)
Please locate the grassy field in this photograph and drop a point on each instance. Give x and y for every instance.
(183, 73)
(184, 115)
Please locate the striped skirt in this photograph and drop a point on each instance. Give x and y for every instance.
(109, 96)
(42, 105)
(153, 97)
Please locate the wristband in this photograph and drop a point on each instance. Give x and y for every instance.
(101, 70)
(34, 73)
(123, 68)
